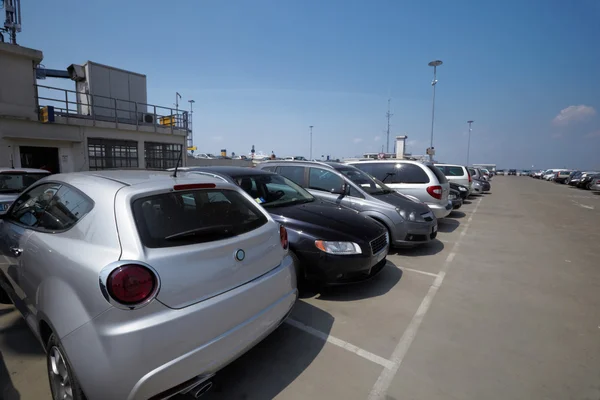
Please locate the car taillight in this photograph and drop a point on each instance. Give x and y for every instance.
(283, 236)
(435, 192)
(131, 284)
(469, 174)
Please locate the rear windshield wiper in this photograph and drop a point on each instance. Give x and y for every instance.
(220, 230)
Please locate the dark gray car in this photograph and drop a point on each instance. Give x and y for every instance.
(408, 220)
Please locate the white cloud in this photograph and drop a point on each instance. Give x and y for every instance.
(377, 138)
(593, 135)
(573, 114)
(357, 140)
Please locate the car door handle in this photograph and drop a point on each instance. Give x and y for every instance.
(16, 251)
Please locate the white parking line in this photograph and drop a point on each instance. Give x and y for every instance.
(582, 205)
(419, 271)
(341, 343)
(379, 390)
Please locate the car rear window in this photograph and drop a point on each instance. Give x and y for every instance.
(394, 172)
(197, 216)
(438, 174)
(451, 170)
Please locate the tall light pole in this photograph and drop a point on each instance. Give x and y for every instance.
(310, 153)
(433, 64)
(190, 124)
(469, 142)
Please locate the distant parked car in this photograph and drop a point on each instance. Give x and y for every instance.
(330, 244)
(422, 180)
(477, 186)
(456, 173)
(562, 176)
(140, 285)
(512, 172)
(537, 174)
(14, 181)
(586, 180)
(595, 183)
(572, 175)
(409, 221)
(462, 190)
(455, 198)
(500, 172)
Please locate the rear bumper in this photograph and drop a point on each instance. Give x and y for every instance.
(138, 354)
(439, 210)
(457, 203)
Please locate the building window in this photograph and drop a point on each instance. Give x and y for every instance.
(109, 153)
(162, 155)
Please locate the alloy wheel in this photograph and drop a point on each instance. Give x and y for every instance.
(60, 379)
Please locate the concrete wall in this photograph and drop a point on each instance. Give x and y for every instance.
(207, 162)
(17, 79)
(70, 140)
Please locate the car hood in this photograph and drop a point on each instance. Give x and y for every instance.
(327, 221)
(403, 202)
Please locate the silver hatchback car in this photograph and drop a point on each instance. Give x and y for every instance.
(141, 285)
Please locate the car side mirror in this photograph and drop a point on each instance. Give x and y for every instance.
(341, 190)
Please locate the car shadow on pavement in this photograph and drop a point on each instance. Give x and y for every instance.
(19, 338)
(379, 285)
(7, 389)
(447, 225)
(429, 249)
(457, 214)
(276, 362)
(467, 202)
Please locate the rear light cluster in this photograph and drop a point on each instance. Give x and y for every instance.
(192, 186)
(283, 237)
(435, 191)
(131, 284)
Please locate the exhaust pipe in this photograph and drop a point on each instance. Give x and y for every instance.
(201, 389)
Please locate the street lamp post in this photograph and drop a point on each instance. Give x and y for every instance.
(310, 152)
(469, 142)
(433, 64)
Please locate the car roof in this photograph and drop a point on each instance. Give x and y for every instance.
(26, 170)
(449, 165)
(134, 177)
(389, 160)
(228, 170)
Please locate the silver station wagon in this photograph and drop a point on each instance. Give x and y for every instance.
(141, 285)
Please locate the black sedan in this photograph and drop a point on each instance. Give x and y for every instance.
(462, 190)
(330, 244)
(454, 197)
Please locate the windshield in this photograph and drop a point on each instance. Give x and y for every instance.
(273, 190)
(16, 182)
(365, 181)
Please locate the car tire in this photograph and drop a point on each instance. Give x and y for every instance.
(60, 374)
(300, 273)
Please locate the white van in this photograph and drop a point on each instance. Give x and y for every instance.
(424, 181)
(456, 173)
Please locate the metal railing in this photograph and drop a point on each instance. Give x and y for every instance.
(74, 104)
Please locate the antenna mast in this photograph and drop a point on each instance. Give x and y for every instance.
(12, 23)
(388, 116)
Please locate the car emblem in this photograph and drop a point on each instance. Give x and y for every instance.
(240, 255)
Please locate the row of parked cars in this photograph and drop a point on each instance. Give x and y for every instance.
(589, 180)
(105, 266)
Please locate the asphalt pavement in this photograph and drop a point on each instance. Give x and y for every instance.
(505, 305)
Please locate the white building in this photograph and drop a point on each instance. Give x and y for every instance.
(104, 122)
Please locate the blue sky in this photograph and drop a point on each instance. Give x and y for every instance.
(262, 71)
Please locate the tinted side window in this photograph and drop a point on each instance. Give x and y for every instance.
(269, 168)
(295, 174)
(451, 171)
(322, 179)
(438, 174)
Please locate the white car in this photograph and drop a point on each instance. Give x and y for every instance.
(456, 173)
(14, 181)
